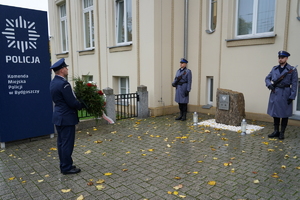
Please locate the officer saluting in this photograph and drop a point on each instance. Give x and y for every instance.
(183, 83)
(64, 116)
(282, 81)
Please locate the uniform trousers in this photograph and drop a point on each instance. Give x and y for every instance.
(65, 146)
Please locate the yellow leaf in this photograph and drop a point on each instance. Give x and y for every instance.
(168, 145)
(211, 182)
(280, 180)
(195, 172)
(32, 173)
(232, 158)
(232, 170)
(87, 152)
(169, 192)
(98, 141)
(66, 190)
(266, 143)
(271, 150)
(298, 167)
(23, 182)
(113, 132)
(295, 157)
(225, 164)
(226, 145)
(53, 149)
(206, 131)
(182, 196)
(11, 178)
(2, 151)
(283, 166)
(80, 197)
(124, 170)
(215, 158)
(150, 149)
(100, 187)
(274, 175)
(200, 161)
(108, 174)
(127, 152)
(100, 181)
(256, 181)
(144, 154)
(47, 175)
(40, 181)
(129, 135)
(94, 129)
(177, 178)
(175, 192)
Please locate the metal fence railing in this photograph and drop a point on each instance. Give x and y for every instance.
(126, 105)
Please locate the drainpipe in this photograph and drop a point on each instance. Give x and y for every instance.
(186, 27)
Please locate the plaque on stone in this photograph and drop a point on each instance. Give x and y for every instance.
(223, 102)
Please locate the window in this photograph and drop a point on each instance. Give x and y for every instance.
(210, 90)
(123, 21)
(87, 78)
(212, 18)
(123, 85)
(255, 18)
(298, 10)
(88, 23)
(63, 28)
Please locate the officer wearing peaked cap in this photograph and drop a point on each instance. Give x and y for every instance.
(182, 82)
(283, 83)
(64, 116)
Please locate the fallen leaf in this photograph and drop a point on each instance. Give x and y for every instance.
(150, 149)
(168, 145)
(53, 149)
(232, 170)
(90, 183)
(200, 161)
(271, 150)
(47, 175)
(144, 154)
(100, 181)
(211, 182)
(177, 178)
(40, 181)
(195, 172)
(127, 152)
(256, 181)
(295, 157)
(32, 173)
(169, 192)
(175, 192)
(215, 158)
(254, 172)
(66, 190)
(182, 196)
(298, 167)
(178, 187)
(98, 141)
(87, 152)
(124, 170)
(100, 187)
(274, 175)
(283, 166)
(206, 131)
(11, 178)
(108, 174)
(80, 197)
(266, 143)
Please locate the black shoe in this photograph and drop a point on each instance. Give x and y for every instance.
(73, 167)
(274, 134)
(72, 171)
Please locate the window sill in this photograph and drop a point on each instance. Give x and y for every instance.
(86, 52)
(250, 41)
(209, 31)
(127, 47)
(295, 117)
(62, 55)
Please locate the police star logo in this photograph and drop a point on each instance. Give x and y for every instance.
(21, 34)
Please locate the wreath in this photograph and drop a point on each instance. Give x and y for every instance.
(93, 98)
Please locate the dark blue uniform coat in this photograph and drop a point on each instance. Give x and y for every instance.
(278, 101)
(180, 96)
(65, 118)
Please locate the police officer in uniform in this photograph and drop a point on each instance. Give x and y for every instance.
(282, 81)
(64, 116)
(182, 82)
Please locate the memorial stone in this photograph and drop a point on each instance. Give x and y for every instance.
(230, 107)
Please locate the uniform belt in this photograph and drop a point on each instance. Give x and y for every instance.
(283, 86)
(180, 83)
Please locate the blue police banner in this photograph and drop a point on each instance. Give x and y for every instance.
(25, 101)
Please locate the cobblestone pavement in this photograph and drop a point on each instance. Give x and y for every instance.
(147, 158)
